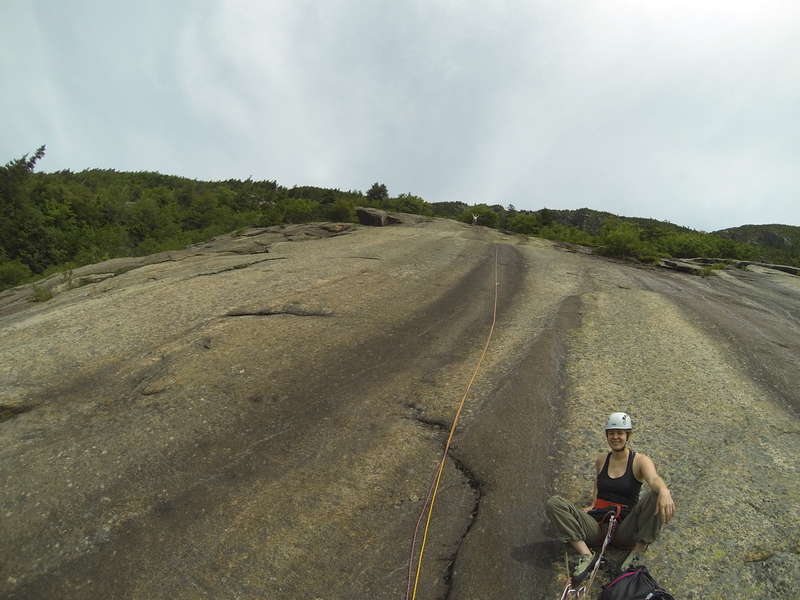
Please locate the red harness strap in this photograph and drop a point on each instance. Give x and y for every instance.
(599, 503)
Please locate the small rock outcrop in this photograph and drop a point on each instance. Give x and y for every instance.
(372, 217)
(695, 266)
(682, 267)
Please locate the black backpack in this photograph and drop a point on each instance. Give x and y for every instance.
(636, 584)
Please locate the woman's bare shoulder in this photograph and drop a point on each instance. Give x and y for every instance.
(642, 463)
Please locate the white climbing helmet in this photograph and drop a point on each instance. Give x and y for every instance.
(619, 421)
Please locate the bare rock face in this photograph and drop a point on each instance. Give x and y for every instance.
(262, 417)
(254, 241)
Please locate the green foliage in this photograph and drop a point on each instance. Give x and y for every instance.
(726, 248)
(486, 216)
(378, 197)
(546, 217)
(52, 220)
(621, 240)
(408, 203)
(13, 273)
(377, 193)
(554, 232)
(296, 210)
(774, 243)
(644, 240)
(449, 210)
(59, 221)
(524, 223)
(625, 239)
(707, 271)
(341, 211)
(40, 293)
(576, 235)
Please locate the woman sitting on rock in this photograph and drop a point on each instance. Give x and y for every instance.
(620, 475)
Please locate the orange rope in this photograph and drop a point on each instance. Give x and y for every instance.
(437, 480)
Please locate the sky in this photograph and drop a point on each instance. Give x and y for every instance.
(676, 110)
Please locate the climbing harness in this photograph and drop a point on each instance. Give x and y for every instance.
(411, 590)
(584, 590)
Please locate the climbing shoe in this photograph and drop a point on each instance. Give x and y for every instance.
(584, 566)
(631, 562)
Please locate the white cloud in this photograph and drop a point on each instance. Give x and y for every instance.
(677, 110)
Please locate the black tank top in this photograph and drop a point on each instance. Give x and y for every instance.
(622, 490)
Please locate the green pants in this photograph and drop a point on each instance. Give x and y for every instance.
(573, 524)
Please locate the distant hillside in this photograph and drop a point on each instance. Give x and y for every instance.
(592, 221)
(785, 238)
(778, 243)
(646, 240)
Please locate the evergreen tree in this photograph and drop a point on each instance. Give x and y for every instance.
(377, 193)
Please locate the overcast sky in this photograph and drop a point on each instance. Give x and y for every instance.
(680, 110)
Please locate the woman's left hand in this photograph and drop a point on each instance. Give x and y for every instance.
(666, 507)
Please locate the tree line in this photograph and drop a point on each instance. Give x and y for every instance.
(645, 240)
(52, 222)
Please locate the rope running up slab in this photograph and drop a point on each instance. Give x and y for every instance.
(411, 590)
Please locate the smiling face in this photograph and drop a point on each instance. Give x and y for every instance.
(617, 438)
